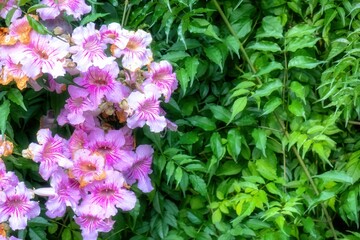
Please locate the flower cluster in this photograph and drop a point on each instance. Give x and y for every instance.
(116, 88)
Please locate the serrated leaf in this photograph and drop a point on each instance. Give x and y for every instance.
(175, 56)
(353, 166)
(178, 175)
(15, 96)
(37, 234)
(169, 170)
(233, 44)
(229, 168)
(37, 26)
(191, 65)
(199, 184)
(270, 27)
(265, 169)
(304, 62)
(234, 143)
(92, 18)
(214, 54)
(271, 105)
(183, 26)
(216, 216)
(266, 89)
(265, 46)
(297, 108)
(202, 122)
(237, 107)
(189, 138)
(260, 138)
(301, 42)
(299, 90)
(4, 113)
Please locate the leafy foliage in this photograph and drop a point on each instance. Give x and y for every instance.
(267, 145)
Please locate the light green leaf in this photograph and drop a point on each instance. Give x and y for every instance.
(265, 46)
(271, 27)
(295, 44)
(271, 105)
(229, 168)
(199, 184)
(178, 175)
(189, 138)
(214, 54)
(170, 168)
(304, 62)
(237, 107)
(297, 108)
(36, 6)
(336, 176)
(234, 143)
(191, 65)
(202, 122)
(216, 216)
(15, 96)
(4, 113)
(265, 169)
(299, 90)
(353, 166)
(260, 138)
(323, 151)
(37, 26)
(9, 16)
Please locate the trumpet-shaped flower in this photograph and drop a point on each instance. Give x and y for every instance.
(89, 49)
(135, 54)
(146, 109)
(88, 167)
(16, 206)
(51, 152)
(91, 220)
(110, 146)
(114, 34)
(43, 54)
(161, 75)
(141, 168)
(110, 194)
(7, 5)
(76, 8)
(101, 82)
(7, 179)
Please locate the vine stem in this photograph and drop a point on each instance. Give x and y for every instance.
(293, 148)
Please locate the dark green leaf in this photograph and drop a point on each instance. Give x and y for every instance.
(260, 138)
(237, 107)
(202, 122)
(199, 184)
(234, 143)
(4, 113)
(214, 54)
(92, 18)
(15, 96)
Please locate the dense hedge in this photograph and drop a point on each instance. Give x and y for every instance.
(267, 109)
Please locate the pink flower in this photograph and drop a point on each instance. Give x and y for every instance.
(114, 34)
(161, 75)
(110, 194)
(146, 109)
(7, 6)
(76, 8)
(43, 54)
(110, 146)
(88, 167)
(91, 220)
(7, 179)
(141, 168)
(76, 105)
(89, 49)
(15, 206)
(51, 152)
(135, 54)
(63, 192)
(102, 82)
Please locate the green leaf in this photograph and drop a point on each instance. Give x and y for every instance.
(265, 46)
(269, 68)
(216, 216)
(183, 26)
(199, 184)
(323, 151)
(4, 113)
(202, 122)
(260, 137)
(267, 88)
(170, 168)
(175, 56)
(38, 234)
(297, 108)
(191, 65)
(301, 42)
(336, 176)
(237, 107)
(15, 96)
(9, 16)
(271, 27)
(37, 26)
(233, 44)
(229, 168)
(265, 169)
(299, 90)
(234, 143)
(189, 138)
(220, 113)
(92, 18)
(353, 166)
(216, 146)
(271, 105)
(214, 54)
(304, 62)
(35, 7)
(178, 175)
(183, 78)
